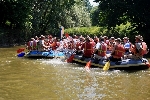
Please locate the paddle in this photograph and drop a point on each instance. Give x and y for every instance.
(148, 63)
(106, 66)
(20, 50)
(88, 65)
(21, 54)
(70, 59)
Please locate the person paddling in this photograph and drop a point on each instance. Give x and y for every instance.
(100, 50)
(117, 52)
(88, 48)
(139, 49)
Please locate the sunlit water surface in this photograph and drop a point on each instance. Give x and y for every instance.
(54, 79)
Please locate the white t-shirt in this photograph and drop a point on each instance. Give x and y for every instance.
(99, 44)
(138, 45)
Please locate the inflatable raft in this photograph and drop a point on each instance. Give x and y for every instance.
(134, 64)
(44, 54)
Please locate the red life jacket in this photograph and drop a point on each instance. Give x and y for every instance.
(54, 45)
(102, 50)
(119, 51)
(144, 48)
(88, 49)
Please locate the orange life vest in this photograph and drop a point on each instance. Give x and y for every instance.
(144, 48)
(88, 49)
(119, 51)
(54, 45)
(102, 50)
(110, 46)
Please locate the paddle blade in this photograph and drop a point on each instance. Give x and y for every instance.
(88, 65)
(148, 63)
(21, 54)
(70, 59)
(107, 65)
(20, 50)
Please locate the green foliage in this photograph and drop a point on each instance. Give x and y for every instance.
(26, 18)
(118, 31)
(135, 11)
(15, 12)
(95, 16)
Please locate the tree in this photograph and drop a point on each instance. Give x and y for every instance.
(137, 11)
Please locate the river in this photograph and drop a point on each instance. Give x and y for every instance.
(53, 79)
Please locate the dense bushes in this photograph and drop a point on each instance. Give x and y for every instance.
(118, 31)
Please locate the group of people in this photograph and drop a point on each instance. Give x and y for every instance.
(98, 48)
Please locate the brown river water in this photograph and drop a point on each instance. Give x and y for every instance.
(53, 79)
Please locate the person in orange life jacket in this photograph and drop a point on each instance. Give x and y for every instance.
(100, 49)
(70, 45)
(41, 44)
(106, 40)
(111, 43)
(117, 52)
(93, 42)
(34, 44)
(30, 44)
(96, 39)
(88, 48)
(50, 39)
(78, 46)
(140, 47)
(60, 44)
(54, 44)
